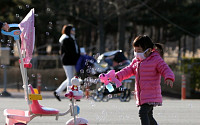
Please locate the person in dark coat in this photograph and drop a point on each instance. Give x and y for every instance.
(70, 54)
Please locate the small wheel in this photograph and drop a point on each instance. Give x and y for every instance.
(98, 97)
(128, 98)
(105, 98)
(122, 96)
(19, 123)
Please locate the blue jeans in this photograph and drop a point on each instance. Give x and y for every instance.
(146, 115)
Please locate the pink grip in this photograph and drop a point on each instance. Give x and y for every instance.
(110, 77)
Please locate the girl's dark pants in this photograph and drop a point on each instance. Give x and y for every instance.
(146, 115)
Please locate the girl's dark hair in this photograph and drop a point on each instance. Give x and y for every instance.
(143, 41)
(159, 48)
(67, 29)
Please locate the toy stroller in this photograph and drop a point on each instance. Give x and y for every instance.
(20, 117)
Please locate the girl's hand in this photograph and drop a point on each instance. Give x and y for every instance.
(169, 82)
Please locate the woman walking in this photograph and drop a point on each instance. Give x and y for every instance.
(70, 54)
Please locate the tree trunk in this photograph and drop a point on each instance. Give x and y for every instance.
(158, 35)
(164, 38)
(94, 41)
(88, 36)
(121, 29)
(184, 46)
(193, 47)
(143, 29)
(101, 27)
(151, 32)
(179, 49)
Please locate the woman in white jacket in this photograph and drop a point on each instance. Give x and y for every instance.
(70, 54)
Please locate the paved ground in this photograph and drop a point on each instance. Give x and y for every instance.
(173, 112)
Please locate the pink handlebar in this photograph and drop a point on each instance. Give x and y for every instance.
(109, 77)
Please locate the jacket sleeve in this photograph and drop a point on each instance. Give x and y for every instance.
(1, 24)
(126, 72)
(165, 70)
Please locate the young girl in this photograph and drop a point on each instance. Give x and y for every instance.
(147, 66)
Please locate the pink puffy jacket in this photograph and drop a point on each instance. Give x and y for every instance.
(147, 77)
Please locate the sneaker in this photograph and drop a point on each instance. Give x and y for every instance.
(57, 96)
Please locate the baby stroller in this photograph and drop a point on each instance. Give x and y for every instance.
(113, 60)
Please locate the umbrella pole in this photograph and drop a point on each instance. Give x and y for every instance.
(23, 72)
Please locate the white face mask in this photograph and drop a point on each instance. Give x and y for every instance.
(140, 56)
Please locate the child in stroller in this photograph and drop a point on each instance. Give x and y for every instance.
(113, 60)
(88, 67)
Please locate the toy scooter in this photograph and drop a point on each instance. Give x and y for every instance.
(20, 117)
